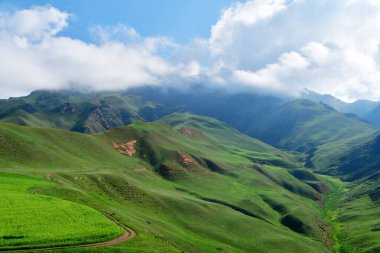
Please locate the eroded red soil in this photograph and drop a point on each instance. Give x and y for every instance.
(127, 148)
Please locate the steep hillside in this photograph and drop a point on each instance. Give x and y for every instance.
(186, 188)
(361, 159)
(80, 112)
(314, 129)
(98, 112)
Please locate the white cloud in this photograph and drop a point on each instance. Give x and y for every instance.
(34, 56)
(280, 46)
(286, 46)
(34, 23)
(230, 31)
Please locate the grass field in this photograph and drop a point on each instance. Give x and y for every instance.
(358, 216)
(236, 195)
(30, 220)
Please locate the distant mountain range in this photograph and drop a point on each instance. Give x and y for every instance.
(365, 109)
(302, 125)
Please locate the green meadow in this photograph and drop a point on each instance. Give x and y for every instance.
(30, 220)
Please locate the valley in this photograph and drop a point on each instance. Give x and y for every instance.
(192, 183)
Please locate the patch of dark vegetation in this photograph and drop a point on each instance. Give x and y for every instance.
(280, 162)
(262, 171)
(374, 250)
(214, 167)
(11, 237)
(236, 208)
(278, 207)
(375, 195)
(304, 175)
(148, 153)
(319, 187)
(288, 186)
(294, 223)
(376, 228)
(168, 173)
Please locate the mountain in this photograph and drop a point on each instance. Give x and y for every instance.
(374, 116)
(80, 112)
(304, 126)
(365, 109)
(307, 127)
(184, 183)
(300, 125)
(361, 159)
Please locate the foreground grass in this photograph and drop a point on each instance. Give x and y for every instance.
(30, 220)
(359, 219)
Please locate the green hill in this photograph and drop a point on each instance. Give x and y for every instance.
(358, 207)
(185, 187)
(314, 129)
(80, 112)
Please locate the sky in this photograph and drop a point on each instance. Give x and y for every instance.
(149, 17)
(279, 47)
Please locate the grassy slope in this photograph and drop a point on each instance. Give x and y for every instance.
(359, 209)
(173, 207)
(31, 220)
(354, 216)
(311, 128)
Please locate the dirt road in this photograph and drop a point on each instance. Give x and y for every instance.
(126, 236)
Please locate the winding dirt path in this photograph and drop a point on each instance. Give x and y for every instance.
(128, 234)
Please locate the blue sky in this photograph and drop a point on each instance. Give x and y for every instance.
(181, 20)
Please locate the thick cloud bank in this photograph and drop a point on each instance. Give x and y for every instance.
(33, 56)
(276, 46)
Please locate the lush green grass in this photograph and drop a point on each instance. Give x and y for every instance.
(30, 220)
(358, 215)
(237, 195)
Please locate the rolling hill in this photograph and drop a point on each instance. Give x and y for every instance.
(186, 183)
(313, 129)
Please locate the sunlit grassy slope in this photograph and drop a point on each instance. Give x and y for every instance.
(236, 194)
(30, 220)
